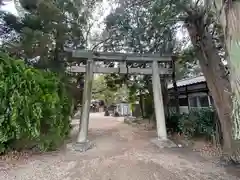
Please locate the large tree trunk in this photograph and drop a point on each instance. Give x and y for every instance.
(229, 19)
(175, 88)
(235, 84)
(216, 77)
(165, 97)
(229, 16)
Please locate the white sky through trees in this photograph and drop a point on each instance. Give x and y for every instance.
(9, 7)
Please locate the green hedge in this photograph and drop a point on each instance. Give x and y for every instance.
(34, 109)
(198, 122)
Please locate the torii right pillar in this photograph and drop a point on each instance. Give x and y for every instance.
(158, 102)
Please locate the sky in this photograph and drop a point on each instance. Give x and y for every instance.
(101, 12)
(10, 7)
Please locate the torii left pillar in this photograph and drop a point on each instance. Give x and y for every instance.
(158, 102)
(83, 144)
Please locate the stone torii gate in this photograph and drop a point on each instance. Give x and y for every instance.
(160, 65)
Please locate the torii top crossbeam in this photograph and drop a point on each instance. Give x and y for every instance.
(112, 56)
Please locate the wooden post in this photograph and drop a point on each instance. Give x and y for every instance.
(158, 102)
(82, 142)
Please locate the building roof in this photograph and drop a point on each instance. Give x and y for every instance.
(188, 81)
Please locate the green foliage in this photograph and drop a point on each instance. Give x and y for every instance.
(172, 122)
(198, 122)
(149, 105)
(109, 95)
(148, 27)
(34, 109)
(44, 28)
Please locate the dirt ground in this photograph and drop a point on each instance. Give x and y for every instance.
(121, 152)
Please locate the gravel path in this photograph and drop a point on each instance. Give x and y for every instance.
(121, 153)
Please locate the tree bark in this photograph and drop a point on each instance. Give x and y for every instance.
(216, 77)
(229, 20)
(165, 97)
(175, 88)
(141, 103)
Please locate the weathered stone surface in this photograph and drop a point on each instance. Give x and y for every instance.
(130, 120)
(83, 147)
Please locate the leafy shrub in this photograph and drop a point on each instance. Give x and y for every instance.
(34, 107)
(198, 122)
(172, 123)
(201, 122)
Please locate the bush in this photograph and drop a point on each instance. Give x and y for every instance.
(34, 109)
(198, 122)
(172, 123)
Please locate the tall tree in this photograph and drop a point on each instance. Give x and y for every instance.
(135, 31)
(206, 38)
(228, 12)
(140, 29)
(47, 27)
(43, 29)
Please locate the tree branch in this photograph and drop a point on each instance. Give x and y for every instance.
(99, 43)
(88, 32)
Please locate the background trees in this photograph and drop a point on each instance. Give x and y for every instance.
(144, 28)
(110, 96)
(46, 28)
